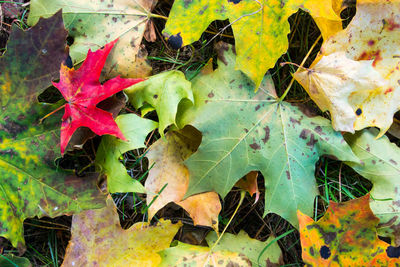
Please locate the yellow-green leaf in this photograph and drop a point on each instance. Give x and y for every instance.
(98, 240)
(260, 27)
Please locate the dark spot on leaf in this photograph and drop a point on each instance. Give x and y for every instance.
(266, 137)
(246, 130)
(393, 252)
(257, 107)
(325, 252)
(358, 112)
(374, 162)
(371, 42)
(255, 146)
(329, 237)
(393, 162)
(234, 1)
(294, 121)
(187, 2)
(318, 129)
(68, 62)
(311, 251)
(175, 41)
(288, 175)
(304, 133)
(211, 95)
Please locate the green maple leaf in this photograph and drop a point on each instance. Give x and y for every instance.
(245, 131)
(381, 165)
(93, 24)
(135, 129)
(30, 182)
(260, 27)
(162, 92)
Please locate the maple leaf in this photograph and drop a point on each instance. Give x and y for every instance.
(97, 237)
(170, 175)
(333, 79)
(135, 129)
(94, 23)
(373, 35)
(231, 250)
(163, 92)
(381, 165)
(83, 91)
(245, 131)
(345, 236)
(31, 183)
(258, 46)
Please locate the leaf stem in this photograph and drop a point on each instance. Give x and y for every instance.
(300, 66)
(51, 113)
(158, 16)
(242, 195)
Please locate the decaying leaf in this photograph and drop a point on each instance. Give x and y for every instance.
(98, 240)
(83, 91)
(373, 35)
(163, 92)
(345, 236)
(94, 23)
(331, 82)
(135, 129)
(239, 250)
(31, 184)
(249, 184)
(245, 131)
(253, 249)
(381, 165)
(172, 177)
(260, 27)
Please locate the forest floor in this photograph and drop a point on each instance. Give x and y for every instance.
(47, 238)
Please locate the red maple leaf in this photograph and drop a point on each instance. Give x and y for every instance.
(83, 91)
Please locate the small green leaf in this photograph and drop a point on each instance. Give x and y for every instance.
(163, 92)
(135, 129)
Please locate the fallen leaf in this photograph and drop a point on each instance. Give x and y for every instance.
(245, 131)
(10, 260)
(93, 23)
(232, 250)
(135, 129)
(98, 240)
(373, 35)
(331, 82)
(163, 92)
(381, 165)
(249, 184)
(252, 248)
(31, 183)
(83, 91)
(258, 46)
(168, 173)
(345, 236)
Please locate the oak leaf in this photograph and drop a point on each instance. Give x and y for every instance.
(83, 91)
(98, 239)
(345, 236)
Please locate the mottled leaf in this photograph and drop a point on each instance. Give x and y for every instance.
(98, 240)
(345, 236)
(381, 165)
(10, 260)
(260, 27)
(245, 131)
(135, 129)
(30, 182)
(83, 91)
(172, 177)
(163, 92)
(251, 248)
(373, 35)
(333, 79)
(94, 23)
